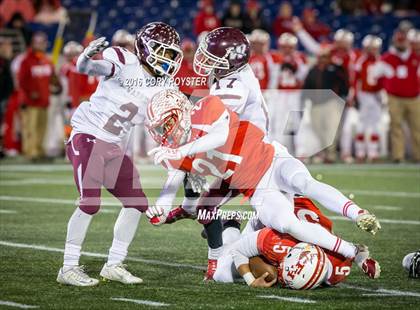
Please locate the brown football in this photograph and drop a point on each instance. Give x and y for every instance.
(258, 267)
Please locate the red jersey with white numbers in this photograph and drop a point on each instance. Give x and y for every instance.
(363, 72)
(274, 246)
(260, 66)
(241, 161)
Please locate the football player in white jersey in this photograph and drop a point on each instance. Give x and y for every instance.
(127, 81)
(223, 54)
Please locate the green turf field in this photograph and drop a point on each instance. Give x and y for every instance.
(37, 200)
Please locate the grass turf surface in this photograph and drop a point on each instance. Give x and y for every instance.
(27, 275)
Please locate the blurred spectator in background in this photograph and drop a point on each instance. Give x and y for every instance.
(206, 19)
(349, 7)
(257, 20)
(326, 109)
(413, 36)
(399, 68)
(8, 8)
(49, 11)
(370, 100)
(317, 29)
(283, 21)
(17, 22)
(124, 39)
(261, 61)
(36, 75)
(6, 81)
(372, 6)
(236, 17)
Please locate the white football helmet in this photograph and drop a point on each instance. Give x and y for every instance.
(305, 267)
(287, 39)
(371, 41)
(72, 49)
(345, 36)
(169, 118)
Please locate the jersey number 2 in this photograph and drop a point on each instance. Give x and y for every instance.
(114, 123)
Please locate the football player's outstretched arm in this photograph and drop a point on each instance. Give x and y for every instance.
(241, 252)
(216, 136)
(96, 67)
(167, 195)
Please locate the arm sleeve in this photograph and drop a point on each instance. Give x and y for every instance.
(308, 42)
(217, 135)
(168, 193)
(245, 248)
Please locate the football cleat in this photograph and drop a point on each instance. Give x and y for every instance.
(368, 222)
(211, 269)
(414, 271)
(368, 265)
(75, 276)
(178, 214)
(118, 273)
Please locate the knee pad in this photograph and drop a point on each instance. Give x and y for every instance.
(300, 182)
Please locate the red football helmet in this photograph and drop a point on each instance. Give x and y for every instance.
(157, 46)
(169, 118)
(222, 52)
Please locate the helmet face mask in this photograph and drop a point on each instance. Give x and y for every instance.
(205, 63)
(169, 120)
(222, 52)
(157, 47)
(160, 61)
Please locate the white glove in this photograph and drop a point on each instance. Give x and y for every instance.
(368, 222)
(162, 153)
(198, 183)
(95, 47)
(156, 215)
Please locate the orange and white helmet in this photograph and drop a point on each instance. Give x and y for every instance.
(305, 267)
(372, 41)
(169, 117)
(287, 39)
(345, 36)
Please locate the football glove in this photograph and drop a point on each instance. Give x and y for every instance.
(162, 153)
(156, 215)
(95, 47)
(414, 271)
(368, 222)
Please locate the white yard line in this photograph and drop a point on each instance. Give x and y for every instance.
(381, 193)
(388, 221)
(101, 255)
(141, 302)
(386, 208)
(3, 211)
(291, 299)
(370, 174)
(16, 305)
(163, 263)
(381, 291)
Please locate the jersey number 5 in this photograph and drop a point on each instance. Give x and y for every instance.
(114, 123)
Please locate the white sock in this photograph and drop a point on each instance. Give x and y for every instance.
(230, 235)
(76, 232)
(190, 205)
(124, 231)
(215, 253)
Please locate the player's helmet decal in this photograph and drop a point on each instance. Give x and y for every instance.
(305, 267)
(169, 120)
(222, 52)
(157, 45)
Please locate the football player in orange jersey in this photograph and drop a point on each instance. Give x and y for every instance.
(209, 139)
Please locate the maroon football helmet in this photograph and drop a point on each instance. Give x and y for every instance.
(222, 52)
(157, 46)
